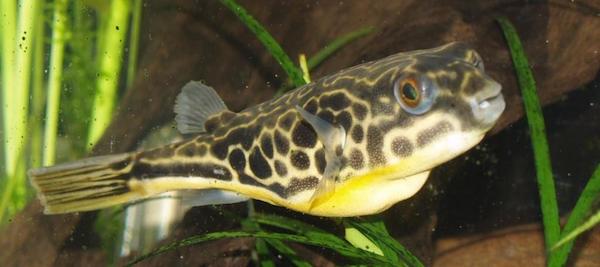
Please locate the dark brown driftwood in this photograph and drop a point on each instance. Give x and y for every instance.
(191, 40)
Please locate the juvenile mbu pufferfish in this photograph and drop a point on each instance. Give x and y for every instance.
(352, 143)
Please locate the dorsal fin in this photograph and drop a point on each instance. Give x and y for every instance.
(194, 105)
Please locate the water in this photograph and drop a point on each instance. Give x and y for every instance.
(490, 189)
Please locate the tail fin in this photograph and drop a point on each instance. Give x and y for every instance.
(88, 184)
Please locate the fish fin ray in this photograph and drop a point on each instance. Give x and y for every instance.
(194, 105)
(87, 184)
(194, 198)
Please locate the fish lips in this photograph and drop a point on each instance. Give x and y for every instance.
(488, 105)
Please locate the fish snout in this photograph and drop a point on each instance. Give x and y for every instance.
(488, 105)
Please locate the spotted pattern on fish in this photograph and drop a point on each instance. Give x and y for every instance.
(357, 98)
(272, 147)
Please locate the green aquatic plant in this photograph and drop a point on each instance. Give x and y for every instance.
(268, 41)
(300, 232)
(557, 251)
(57, 52)
(18, 26)
(110, 60)
(36, 94)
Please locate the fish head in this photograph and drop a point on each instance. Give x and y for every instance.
(428, 106)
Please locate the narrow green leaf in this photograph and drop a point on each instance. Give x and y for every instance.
(574, 226)
(310, 231)
(537, 129)
(134, 41)
(299, 227)
(287, 252)
(268, 41)
(374, 229)
(336, 44)
(110, 59)
(361, 256)
(57, 52)
(16, 69)
(328, 50)
(591, 222)
(251, 225)
(357, 239)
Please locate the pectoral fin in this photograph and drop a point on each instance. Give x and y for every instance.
(334, 139)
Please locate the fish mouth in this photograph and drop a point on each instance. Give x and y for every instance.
(488, 105)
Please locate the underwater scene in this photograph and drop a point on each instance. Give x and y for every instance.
(299, 133)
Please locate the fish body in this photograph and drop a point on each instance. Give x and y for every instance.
(352, 143)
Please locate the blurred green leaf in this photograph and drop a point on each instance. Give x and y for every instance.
(374, 229)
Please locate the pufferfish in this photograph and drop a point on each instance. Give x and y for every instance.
(349, 144)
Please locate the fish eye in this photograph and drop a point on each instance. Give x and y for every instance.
(414, 95)
(409, 93)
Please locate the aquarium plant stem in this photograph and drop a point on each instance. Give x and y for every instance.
(537, 129)
(110, 59)
(335, 45)
(35, 122)
(293, 72)
(8, 28)
(134, 40)
(57, 51)
(16, 100)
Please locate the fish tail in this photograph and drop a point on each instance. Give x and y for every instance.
(88, 184)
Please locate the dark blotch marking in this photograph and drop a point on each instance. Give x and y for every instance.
(277, 188)
(216, 120)
(266, 145)
(402, 147)
(280, 168)
(117, 166)
(303, 135)
(357, 134)
(300, 160)
(211, 124)
(311, 106)
(281, 144)
(374, 146)
(326, 115)
(359, 110)
(474, 84)
(320, 160)
(429, 135)
(188, 150)
(286, 121)
(219, 149)
(344, 119)
(357, 160)
(146, 171)
(159, 153)
(337, 101)
(242, 135)
(298, 185)
(237, 160)
(461, 109)
(259, 165)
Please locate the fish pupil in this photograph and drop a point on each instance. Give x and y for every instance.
(410, 94)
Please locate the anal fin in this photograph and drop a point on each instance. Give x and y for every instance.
(193, 198)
